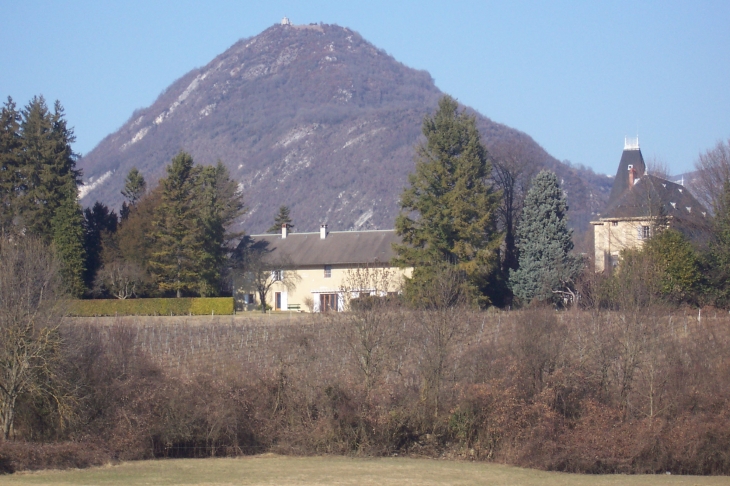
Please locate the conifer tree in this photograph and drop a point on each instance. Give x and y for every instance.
(10, 152)
(178, 248)
(448, 214)
(547, 269)
(134, 186)
(68, 236)
(219, 202)
(282, 218)
(99, 224)
(48, 166)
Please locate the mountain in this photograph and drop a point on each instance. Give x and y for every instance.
(309, 116)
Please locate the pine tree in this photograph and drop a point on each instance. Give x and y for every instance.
(10, 152)
(178, 248)
(448, 214)
(134, 186)
(48, 166)
(547, 269)
(220, 203)
(282, 218)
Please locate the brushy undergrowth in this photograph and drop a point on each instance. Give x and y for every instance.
(590, 392)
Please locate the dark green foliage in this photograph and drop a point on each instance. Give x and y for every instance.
(677, 266)
(547, 269)
(448, 214)
(282, 218)
(219, 203)
(717, 259)
(11, 144)
(134, 186)
(189, 236)
(177, 234)
(48, 174)
(68, 238)
(99, 224)
(39, 183)
(197, 306)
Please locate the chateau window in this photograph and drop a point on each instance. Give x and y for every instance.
(277, 275)
(644, 232)
(327, 271)
(613, 260)
(614, 223)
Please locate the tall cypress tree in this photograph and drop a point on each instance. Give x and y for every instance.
(547, 269)
(448, 214)
(68, 236)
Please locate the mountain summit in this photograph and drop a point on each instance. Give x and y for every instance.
(309, 116)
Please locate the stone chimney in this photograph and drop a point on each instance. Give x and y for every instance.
(322, 231)
(284, 230)
(632, 175)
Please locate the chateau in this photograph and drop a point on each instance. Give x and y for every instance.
(639, 203)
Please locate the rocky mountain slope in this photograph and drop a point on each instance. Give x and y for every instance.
(311, 116)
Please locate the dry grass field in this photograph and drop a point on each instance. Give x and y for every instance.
(271, 469)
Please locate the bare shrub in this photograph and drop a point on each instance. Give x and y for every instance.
(30, 312)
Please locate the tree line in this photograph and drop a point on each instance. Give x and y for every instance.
(504, 229)
(172, 240)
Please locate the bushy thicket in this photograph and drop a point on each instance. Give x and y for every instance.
(581, 391)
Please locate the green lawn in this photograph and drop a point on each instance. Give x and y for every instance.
(270, 469)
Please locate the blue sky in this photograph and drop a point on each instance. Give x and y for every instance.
(577, 76)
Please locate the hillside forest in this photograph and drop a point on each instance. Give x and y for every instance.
(622, 372)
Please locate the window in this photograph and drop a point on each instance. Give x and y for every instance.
(277, 275)
(248, 299)
(613, 260)
(327, 302)
(328, 271)
(644, 232)
(614, 223)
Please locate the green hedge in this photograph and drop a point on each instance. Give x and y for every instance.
(196, 306)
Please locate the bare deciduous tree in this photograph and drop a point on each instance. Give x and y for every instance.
(368, 328)
(512, 174)
(122, 279)
(260, 269)
(30, 313)
(713, 170)
(443, 324)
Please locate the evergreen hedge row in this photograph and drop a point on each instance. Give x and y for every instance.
(196, 306)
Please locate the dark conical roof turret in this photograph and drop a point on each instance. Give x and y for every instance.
(630, 157)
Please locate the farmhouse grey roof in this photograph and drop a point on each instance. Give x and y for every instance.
(338, 248)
